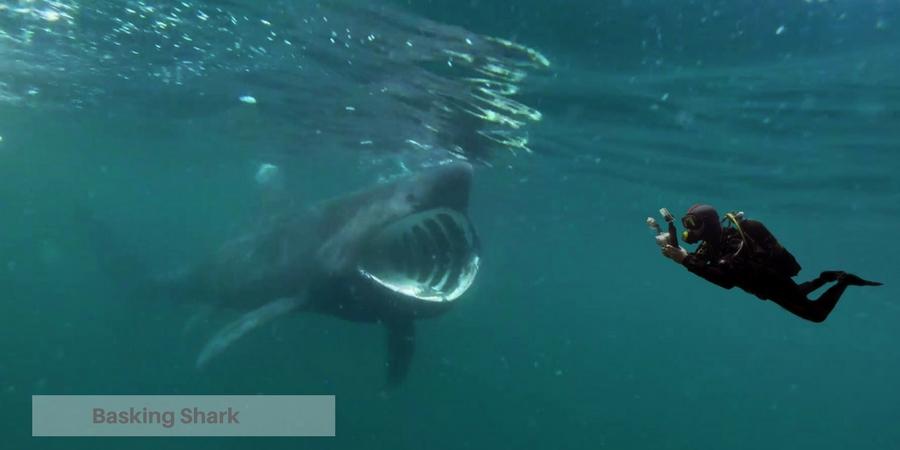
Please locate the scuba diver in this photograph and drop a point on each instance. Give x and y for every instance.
(745, 254)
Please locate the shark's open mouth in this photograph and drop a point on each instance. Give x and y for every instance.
(432, 255)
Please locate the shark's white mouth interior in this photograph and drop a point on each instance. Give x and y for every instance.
(432, 255)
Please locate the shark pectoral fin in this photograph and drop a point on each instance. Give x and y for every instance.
(401, 334)
(246, 323)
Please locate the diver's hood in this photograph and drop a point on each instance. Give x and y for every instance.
(701, 223)
(431, 255)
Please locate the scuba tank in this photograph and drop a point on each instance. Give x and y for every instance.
(763, 247)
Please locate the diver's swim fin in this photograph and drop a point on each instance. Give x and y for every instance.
(246, 323)
(853, 280)
(829, 276)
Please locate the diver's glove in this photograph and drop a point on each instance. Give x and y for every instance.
(676, 254)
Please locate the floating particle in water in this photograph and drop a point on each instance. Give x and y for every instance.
(269, 176)
(248, 99)
(684, 119)
(779, 31)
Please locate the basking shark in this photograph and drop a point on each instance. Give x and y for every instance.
(391, 254)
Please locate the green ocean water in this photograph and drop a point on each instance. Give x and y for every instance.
(576, 334)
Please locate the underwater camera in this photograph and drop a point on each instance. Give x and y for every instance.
(664, 238)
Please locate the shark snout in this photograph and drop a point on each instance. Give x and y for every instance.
(445, 186)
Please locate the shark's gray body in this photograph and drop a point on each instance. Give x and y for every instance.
(414, 230)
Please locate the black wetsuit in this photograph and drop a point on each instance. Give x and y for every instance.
(746, 263)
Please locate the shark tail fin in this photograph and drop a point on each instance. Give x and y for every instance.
(113, 256)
